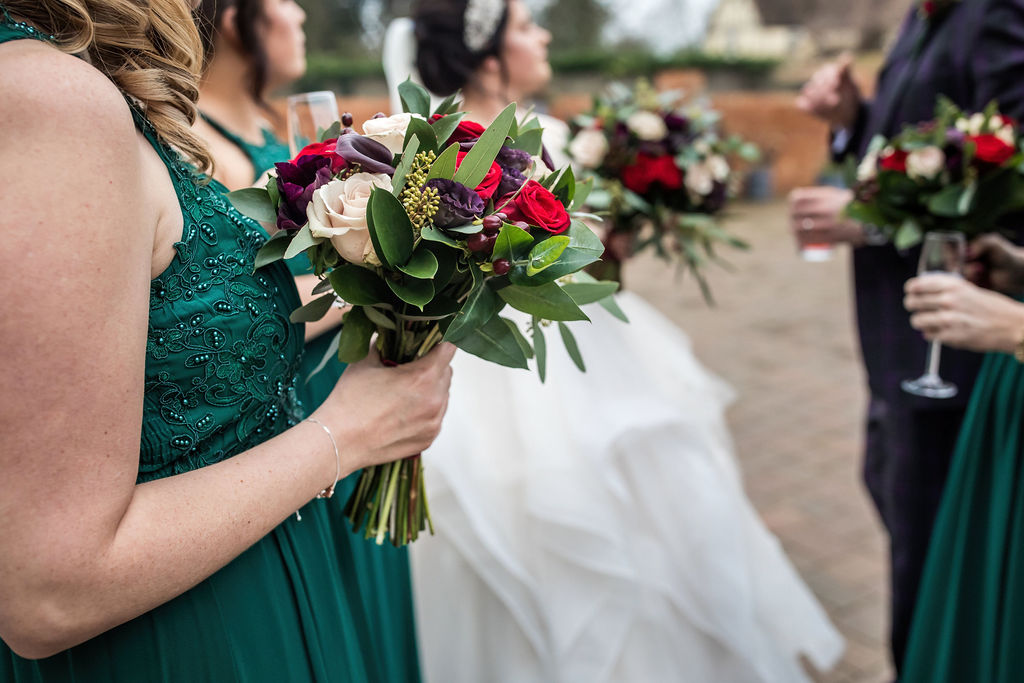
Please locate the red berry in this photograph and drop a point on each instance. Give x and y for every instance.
(478, 242)
(380, 115)
(347, 120)
(501, 216)
(502, 266)
(346, 131)
(522, 225)
(492, 225)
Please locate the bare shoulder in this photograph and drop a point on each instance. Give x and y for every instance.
(49, 92)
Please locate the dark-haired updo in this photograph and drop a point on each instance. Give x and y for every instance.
(444, 62)
(248, 16)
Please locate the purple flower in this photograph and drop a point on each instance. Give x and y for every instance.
(296, 182)
(511, 180)
(370, 155)
(677, 123)
(459, 204)
(517, 159)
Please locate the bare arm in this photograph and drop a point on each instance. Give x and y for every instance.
(82, 548)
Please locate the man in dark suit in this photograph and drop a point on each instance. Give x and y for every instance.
(971, 51)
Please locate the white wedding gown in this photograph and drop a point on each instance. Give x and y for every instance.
(594, 529)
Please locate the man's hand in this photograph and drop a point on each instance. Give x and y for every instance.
(997, 263)
(816, 216)
(832, 95)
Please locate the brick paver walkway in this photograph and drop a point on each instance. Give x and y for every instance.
(782, 335)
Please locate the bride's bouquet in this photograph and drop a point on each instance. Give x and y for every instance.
(662, 173)
(427, 226)
(960, 172)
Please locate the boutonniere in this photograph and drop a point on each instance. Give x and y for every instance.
(933, 9)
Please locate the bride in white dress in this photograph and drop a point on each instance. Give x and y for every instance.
(592, 529)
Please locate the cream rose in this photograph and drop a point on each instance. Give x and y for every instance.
(719, 168)
(868, 169)
(926, 163)
(647, 125)
(700, 179)
(338, 211)
(589, 148)
(388, 131)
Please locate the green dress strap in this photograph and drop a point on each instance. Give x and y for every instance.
(263, 156)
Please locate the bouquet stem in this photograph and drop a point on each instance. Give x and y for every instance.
(390, 499)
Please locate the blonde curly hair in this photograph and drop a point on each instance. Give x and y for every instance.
(150, 49)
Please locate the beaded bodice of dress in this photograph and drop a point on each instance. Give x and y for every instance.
(221, 356)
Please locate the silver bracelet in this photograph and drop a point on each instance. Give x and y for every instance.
(329, 491)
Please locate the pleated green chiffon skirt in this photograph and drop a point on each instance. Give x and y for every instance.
(969, 623)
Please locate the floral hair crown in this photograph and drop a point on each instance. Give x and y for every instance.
(480, 22)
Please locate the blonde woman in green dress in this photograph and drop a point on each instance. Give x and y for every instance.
(152, 449)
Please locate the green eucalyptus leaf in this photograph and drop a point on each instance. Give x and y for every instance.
(447, 106)
(314, 310)
(422, 264)
(274, 194)
(545, 253)
(255, 203)
(612, 306)
(444, 166)
(540, 348)
(564, 188)
(331, 132)
(273, 249)
(323, 287)
(356, 332)
(908, 235)
(512, 243)
(447, 262)
(546, 301)
(434, 234)
(302, 241)
(529, 141)
(481, 305)
(583, 238)
(949, 200)
(571, 261)
(359, 286)
(470, 229)
(444, 127)
(583, 190)
(584, 293)
(570, 345)
(477, 162)
(495, 342)
(379, 318)
(415, 99)
(390, 228)
(413, 291)
(404, 165)
(330, 354)
(424, 131)
(519, 337)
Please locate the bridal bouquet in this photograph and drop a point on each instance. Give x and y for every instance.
(662, 172)
(428, 226)
(961, 172)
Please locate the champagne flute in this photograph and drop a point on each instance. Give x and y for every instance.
(309, 115)
(942, 252)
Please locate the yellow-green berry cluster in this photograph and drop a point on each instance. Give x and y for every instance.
(420, 203)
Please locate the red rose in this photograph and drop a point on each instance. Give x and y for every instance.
(536, 206)
(895, 160)
(489, 185)
(466, 131)
(648, 170)
(327, 148)
(991, 150)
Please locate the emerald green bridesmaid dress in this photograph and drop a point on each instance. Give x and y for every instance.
(222, 367)
(382, 571)
(969, 621)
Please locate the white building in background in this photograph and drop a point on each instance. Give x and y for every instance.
(737, 29)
